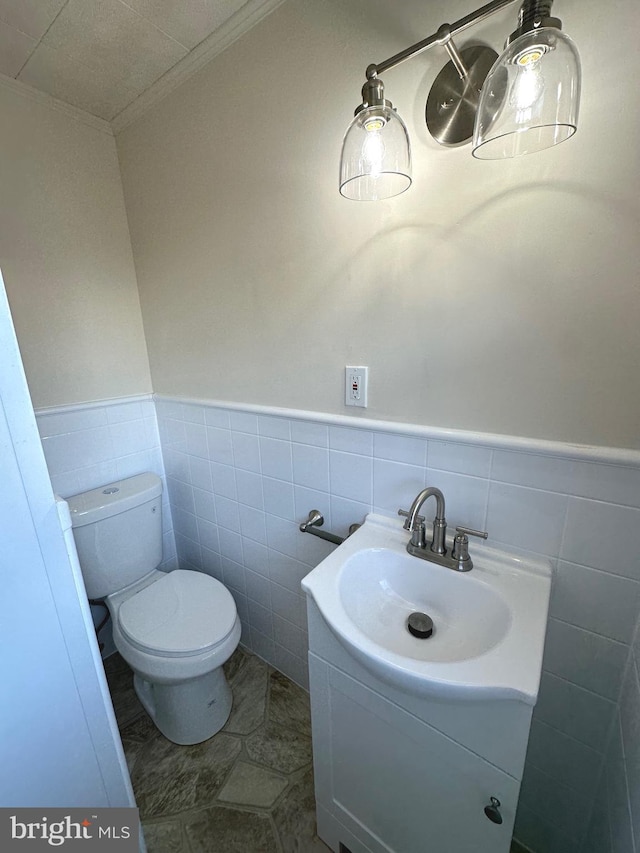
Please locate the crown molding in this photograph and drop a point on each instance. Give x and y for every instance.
(237, 25)
(46, 100)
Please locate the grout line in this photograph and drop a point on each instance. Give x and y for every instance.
(589, 799)
(545, 820)
(606, 572)
(488, 495)
(580, 687)
(573, 739)
(590, 631)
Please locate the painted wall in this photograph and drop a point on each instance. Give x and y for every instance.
(499, 297)
(66, 255)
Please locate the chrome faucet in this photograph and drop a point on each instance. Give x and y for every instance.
(436, 552)
(414, 521)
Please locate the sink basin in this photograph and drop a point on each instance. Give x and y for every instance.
(488, 624)
(380, 587)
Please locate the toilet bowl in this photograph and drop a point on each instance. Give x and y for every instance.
(174, 629)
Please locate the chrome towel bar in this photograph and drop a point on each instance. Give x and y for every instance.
(316, 520)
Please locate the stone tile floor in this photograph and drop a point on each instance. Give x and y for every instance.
(247, 789)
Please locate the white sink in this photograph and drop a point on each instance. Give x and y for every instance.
(489, 623)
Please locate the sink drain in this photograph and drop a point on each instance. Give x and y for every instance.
(420, 625)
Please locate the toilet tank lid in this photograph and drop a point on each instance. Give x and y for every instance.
(113, 498)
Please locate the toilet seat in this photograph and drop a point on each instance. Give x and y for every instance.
(181, 614)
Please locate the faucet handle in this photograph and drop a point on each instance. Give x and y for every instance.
(460, 551)
(468, 531)
(420, 519)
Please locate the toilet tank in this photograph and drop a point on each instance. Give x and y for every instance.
(118, 532)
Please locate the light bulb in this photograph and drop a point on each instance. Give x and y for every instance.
(528, 87)
(526, 94)
(373, 123)
(373, 152)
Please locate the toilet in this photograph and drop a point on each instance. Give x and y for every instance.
(175, 629)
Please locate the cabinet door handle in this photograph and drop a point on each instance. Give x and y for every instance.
(493, 811)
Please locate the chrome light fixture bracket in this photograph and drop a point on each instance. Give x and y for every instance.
(372, 92)
(453, 100)
(372, 97)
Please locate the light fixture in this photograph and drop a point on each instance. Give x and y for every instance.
(531, 96)
(523, 101)
(376, 153)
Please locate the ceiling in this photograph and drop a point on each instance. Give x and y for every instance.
(101, 56)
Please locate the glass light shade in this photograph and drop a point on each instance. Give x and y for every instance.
(376, 156)
(530, 98)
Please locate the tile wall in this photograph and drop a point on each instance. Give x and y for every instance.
(615, 825)
(90, 445)
(239, 482)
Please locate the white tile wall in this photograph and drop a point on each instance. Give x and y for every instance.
(615, 822)
(566, 808)
(595, 600)
(267, 472)
(603, 536)
(579, 713)
(89, 446)
(239, 483)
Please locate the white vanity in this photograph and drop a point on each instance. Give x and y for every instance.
(419, 744)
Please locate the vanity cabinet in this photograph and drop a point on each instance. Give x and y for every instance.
(396, 773)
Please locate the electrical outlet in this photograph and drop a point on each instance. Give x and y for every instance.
(356, 382)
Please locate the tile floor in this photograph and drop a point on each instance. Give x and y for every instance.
(249, 789)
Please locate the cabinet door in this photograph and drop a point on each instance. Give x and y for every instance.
(399, 785)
